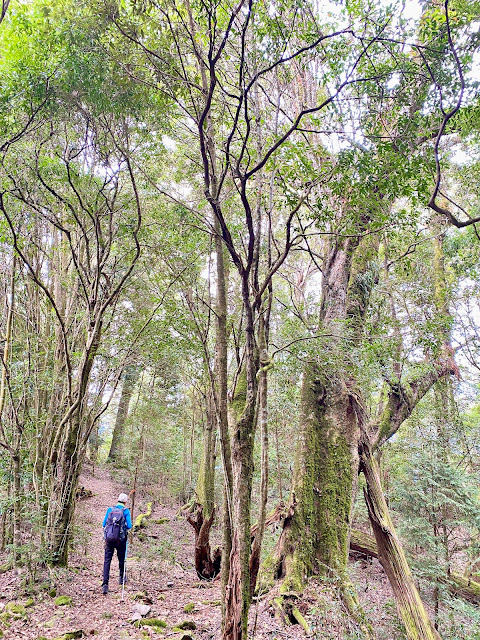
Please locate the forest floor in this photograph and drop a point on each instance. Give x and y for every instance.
(161, 574)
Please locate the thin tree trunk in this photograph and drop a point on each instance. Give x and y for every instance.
(16, 437)
(7, 348)
(263, 414)
(279, 468)
(221, 391)
(206, 473)
(243, 412)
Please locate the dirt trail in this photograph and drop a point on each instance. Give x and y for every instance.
(163, 553)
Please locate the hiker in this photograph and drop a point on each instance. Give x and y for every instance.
(116, 523)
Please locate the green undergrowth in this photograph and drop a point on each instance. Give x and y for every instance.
(150, 622)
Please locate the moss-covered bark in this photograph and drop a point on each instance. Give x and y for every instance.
(238, 597)
(315, 538)
(316, 534)
(392, 557)
(206, 473)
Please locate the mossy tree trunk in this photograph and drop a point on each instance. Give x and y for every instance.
(206, 473)
(66, 458)
(207, 564)
(316, 535)
(333, 425)
(238, 596)
(392, 557)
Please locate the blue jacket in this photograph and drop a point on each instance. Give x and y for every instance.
(126, 513)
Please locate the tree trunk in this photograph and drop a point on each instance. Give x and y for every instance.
(17, 497)
(130, 378)
(221, 397)
(66, 459)
(207, 564)
(238, 588)
(206, 472)
(237, 601)
(392, 557)
(316, 536)
(263, 418)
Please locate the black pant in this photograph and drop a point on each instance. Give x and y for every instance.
(121, 548)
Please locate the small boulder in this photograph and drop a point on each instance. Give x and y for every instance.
(142, 609)
(50, 623)
(135, 617)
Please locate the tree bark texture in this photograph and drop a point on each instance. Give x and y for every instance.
(316, 536)
(221, 397)
(237, 599)
(66, 459)
(263, 419)
(206, 473)
(207, 564)
(392, 557)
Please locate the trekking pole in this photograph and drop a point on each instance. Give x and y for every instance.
(124, 569)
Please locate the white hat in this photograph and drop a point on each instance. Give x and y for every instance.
(122, 498)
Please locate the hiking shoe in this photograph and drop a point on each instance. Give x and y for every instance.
(105, 589)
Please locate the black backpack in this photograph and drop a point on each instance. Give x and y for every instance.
(115, 527)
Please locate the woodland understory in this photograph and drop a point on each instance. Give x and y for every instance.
(239, 280)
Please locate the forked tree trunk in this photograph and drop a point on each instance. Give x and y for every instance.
(66, 459)
(207, 564)
(392, 557)
(62, 498)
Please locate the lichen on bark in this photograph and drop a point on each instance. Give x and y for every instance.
(315, 538)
